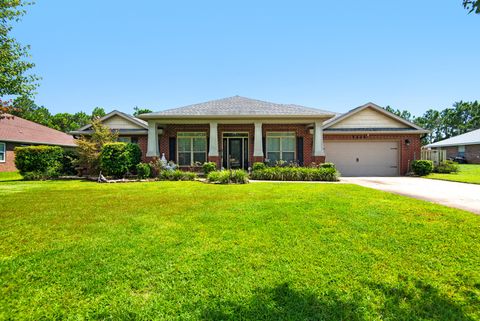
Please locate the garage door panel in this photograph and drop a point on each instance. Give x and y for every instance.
(356, 158)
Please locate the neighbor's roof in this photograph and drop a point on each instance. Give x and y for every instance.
(128, 117)
(238, 106)
(470, 138)
(16, 129)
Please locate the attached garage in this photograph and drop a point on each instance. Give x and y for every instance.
(364, 158)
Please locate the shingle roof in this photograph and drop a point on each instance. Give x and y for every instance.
(240, 106)
(131, 118)
(16, 129)
(470, 138)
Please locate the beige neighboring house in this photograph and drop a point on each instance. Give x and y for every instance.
(465, 146)
(235, 132)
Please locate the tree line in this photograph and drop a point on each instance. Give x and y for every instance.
(462, 117)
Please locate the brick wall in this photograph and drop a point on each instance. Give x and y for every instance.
(472, 153)
(9, 164)
(408, 152)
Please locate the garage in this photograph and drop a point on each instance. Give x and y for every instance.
(364, 158)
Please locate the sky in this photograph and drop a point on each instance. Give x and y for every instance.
(333, 55)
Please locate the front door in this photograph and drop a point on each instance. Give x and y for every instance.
(235, 150)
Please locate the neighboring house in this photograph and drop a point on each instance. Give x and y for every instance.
(466, 145)
(235, 132)
(16, 131)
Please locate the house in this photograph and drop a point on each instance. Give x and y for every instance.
(235, 132)
(16, 131)
(465, 145)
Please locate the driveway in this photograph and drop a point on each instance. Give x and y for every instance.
(453, 194)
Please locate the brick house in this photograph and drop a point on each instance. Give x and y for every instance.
(466, 146)
(16, 131)
(235, 132)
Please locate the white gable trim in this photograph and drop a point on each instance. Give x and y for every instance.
(119, 114)
(376, 108)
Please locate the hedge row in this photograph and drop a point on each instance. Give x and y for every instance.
(296, 174)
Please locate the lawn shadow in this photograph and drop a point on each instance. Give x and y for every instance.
(284, 303)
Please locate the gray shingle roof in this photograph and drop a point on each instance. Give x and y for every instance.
(470, 138)
(240, 106)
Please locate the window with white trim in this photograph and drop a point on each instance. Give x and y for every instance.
(461, 150)
(124, 139)
(191, 148)
(281, 146)
(2, 152)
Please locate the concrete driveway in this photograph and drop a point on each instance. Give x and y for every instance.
(459, 195)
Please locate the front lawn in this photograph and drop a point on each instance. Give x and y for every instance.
(263, 251)
(468, 173)
(10, 176)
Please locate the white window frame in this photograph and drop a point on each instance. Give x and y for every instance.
(191, 136)
(282, 136)
(124, 139)
(3, 150)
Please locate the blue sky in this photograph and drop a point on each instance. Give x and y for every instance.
(334, 55)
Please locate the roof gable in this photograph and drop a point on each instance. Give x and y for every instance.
(118, 120)
(369, 116)
(239, 106)
(470, 138)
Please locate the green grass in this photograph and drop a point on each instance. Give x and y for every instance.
(10, 176)
(468, 173)
(262, 251)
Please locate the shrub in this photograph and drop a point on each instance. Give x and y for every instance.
(209, 167)
(258, 166)
(296, 174)
(447, 167)
(40, 162)
(176, 175)
(327, 165)
(117, 159)
(143, 170)
(69, 162)
(237, 176)
(422, 167)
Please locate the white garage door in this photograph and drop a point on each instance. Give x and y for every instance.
(357, 158)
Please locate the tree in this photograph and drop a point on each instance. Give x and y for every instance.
(89, 148)
(472, 6)
(405, 114)
(137, 111)
(14, 65)
(98, 112)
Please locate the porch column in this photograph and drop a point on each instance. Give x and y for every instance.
(258, 143)
(213, 149)
(152, 145)
(318, 150)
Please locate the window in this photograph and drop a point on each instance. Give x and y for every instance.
(461, 151)
(2, 152)
(124, 139)
(192, 147)
(281, 146)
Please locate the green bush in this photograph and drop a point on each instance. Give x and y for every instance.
(209, 167)
(143, 170)
(422, 167)
(69, 162)
(327, 165)
(447, 167)
(117, 159)
(258, 166)
(237, 176)
(296, 174)
(40, 162)
(176, 175)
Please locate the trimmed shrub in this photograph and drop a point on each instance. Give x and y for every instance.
(69, 162)
(143, 170)
(327, 165)
(40, 162)
(176, 175)
(296, 174)
(447, 167)
(117, 159)
(209, 167)
(237, 176)
(422, 167)
(258, 166)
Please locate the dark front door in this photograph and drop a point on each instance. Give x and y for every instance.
(235, 152)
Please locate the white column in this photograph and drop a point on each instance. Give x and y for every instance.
(152, 146)
(318, 149)
(213, 148)
(258, 143)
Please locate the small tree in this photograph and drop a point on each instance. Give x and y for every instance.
(89, 148)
